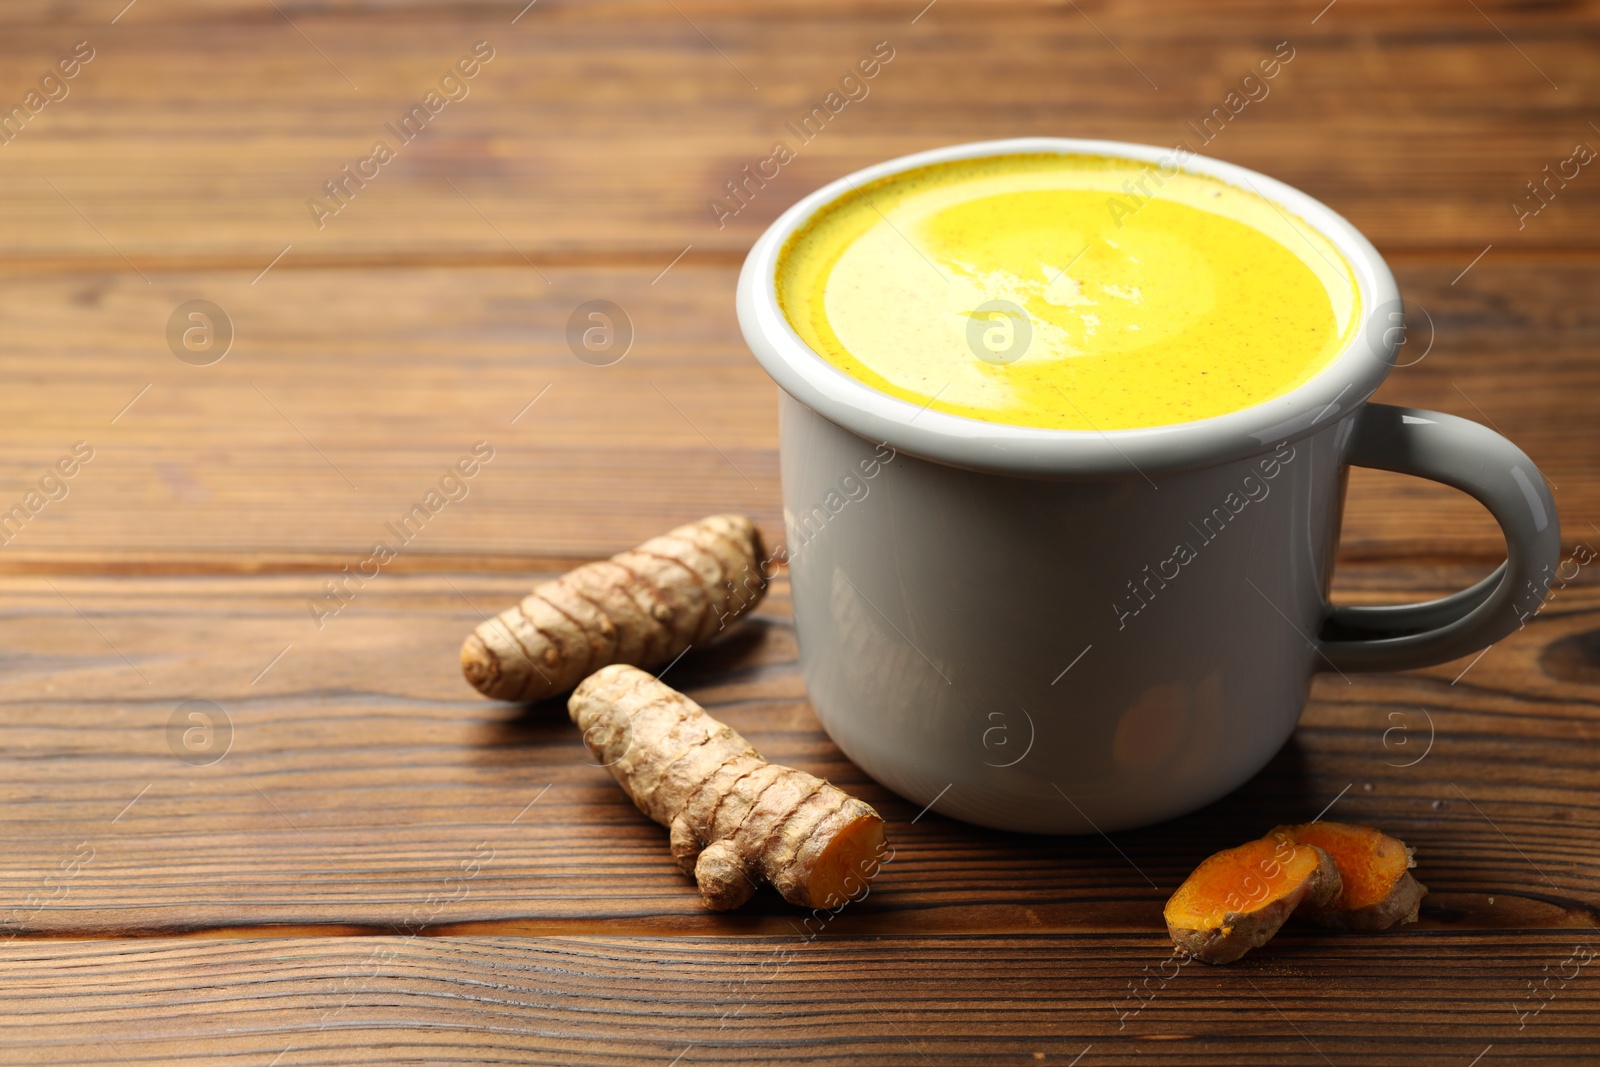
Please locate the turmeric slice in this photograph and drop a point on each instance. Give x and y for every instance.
(1377, 890)
(1237, 899)
(645, 606)
(736, 820)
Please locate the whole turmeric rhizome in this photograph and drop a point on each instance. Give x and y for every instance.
(736, 821)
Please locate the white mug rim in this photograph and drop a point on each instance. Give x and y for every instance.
(1329, 395)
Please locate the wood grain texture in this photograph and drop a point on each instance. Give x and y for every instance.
(348, 393)
(367, 786)
(606, 128)
(1436, 1001)
(383, 865)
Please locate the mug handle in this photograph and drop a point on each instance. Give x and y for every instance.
(1500, 476)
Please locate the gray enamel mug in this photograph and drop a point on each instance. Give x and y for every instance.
(1064, 631)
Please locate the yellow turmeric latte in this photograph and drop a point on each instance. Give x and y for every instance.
(1067, 292)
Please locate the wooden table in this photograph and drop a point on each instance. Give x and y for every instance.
(383, 865)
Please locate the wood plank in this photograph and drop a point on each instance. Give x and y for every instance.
(607, 128)
(385, 377)
(1349, 999)
(348, 395)
(364, 777)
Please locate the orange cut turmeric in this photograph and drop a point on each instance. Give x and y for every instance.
(1377, 890)
(1238, 898)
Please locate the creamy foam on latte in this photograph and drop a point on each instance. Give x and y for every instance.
(1067, 292)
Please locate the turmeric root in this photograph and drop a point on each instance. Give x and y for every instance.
(1237, 899)
(736, 820)
(644, 607)
(1377, 890)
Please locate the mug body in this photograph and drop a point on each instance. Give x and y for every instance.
(1052, 630)
(1058, 656)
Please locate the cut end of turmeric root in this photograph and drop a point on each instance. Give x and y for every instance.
(839, 861)
(1237, 899)
(643, 607)
(735, 819)
(1377, 889)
